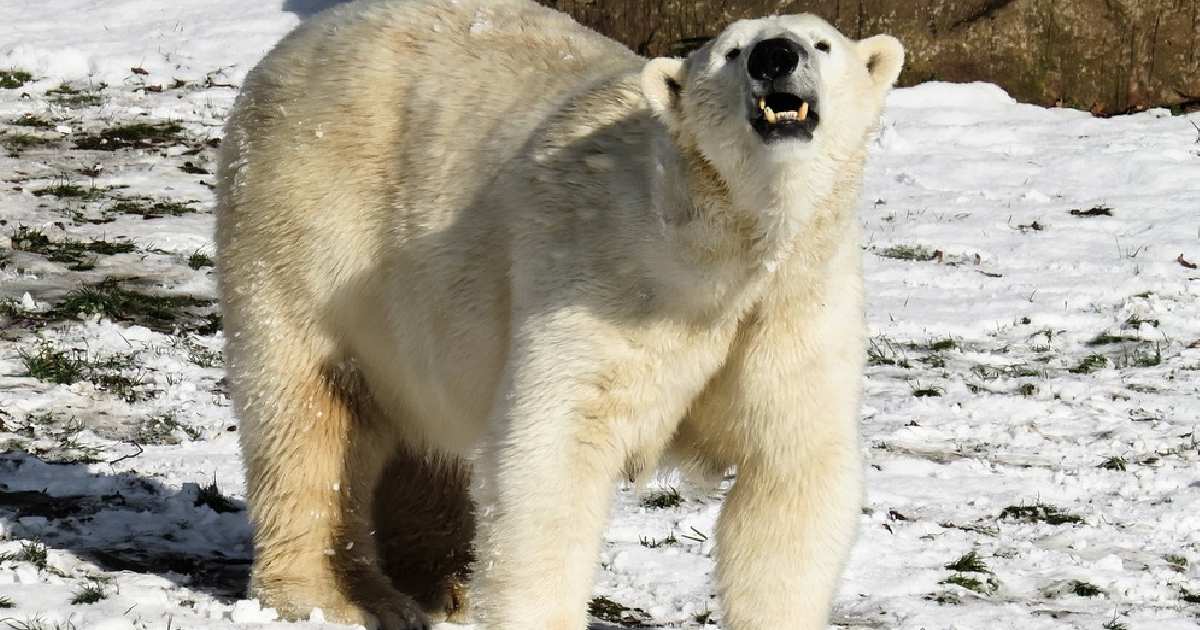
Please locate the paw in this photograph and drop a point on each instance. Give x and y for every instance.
(388, 608)
(375, 606)
(450, 604)
(401, 613)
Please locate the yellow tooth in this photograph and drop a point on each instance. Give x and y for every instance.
(770, 114)
(804, 111)
(762, 103)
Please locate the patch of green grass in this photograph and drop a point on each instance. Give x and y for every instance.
(927, 392)
(610, 611)
(1142, 357)
(884, 351)
(1177, 562)
(1039, 513)
(199, 260)
(213, 324)
(163, 428)
(669, 498)
(935, 360)
(79, 100)
(61, 367)
(192, 168)
(13, 79)
(1115, 462)
(941, 345)
(198, 353)
(211, 496)
(1189, 596)
(65, 95)
(17, 142)
(1114, 625)
(135, 135)
(66, 447)
(1089, 364)
(944, 598)
(1106, 339)
(151, 209)
(32, 120)
(109, 248)
(202, 357)
(30, 240)
(33, 552)
(6, 602)
(1135, 322)
(991, 373)
(89, 594)
(112, 375)
(34, 623)
(986, 586)
(80, 256)
(1027, 389)
(908, 252)
(1094, 211)
(64, 367)
(968, 563)
(1084, 589)
(72, 191)
(111, 300)
(978, 528)
(654, 543)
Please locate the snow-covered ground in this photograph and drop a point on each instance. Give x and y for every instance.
(1033, 395)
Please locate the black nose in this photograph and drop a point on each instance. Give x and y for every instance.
(775, 58)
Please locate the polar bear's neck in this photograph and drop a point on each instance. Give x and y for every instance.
(726, 241)
(766, 216)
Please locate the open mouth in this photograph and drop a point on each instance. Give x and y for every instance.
(781, 115)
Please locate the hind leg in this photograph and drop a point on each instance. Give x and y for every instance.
(314, 446)
(425, 523)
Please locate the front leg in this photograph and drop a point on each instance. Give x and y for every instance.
(785, 531)
(541, 522)
(784, 410)
(573, 412)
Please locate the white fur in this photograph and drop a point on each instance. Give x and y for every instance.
(522, 246)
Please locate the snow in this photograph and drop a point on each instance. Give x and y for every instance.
(1002, 241)
(100, 40)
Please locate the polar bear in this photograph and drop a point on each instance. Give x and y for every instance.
(478, 263)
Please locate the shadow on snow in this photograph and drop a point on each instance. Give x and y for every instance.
(306, 8)
(129, 522)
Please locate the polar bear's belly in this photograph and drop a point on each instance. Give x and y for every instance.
(432, 345)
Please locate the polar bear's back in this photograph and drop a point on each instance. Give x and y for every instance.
(353, 193)
(417, 89)
(399, 107)
(390, 114)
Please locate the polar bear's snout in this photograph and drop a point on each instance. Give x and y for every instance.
(783, 79)
(775, 58)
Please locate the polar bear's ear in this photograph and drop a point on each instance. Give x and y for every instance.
(662, 84)
(884, 57)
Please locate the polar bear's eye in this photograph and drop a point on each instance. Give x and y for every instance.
(733, 54)
(823, 46)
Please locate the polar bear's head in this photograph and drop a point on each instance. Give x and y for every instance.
(781, 90)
